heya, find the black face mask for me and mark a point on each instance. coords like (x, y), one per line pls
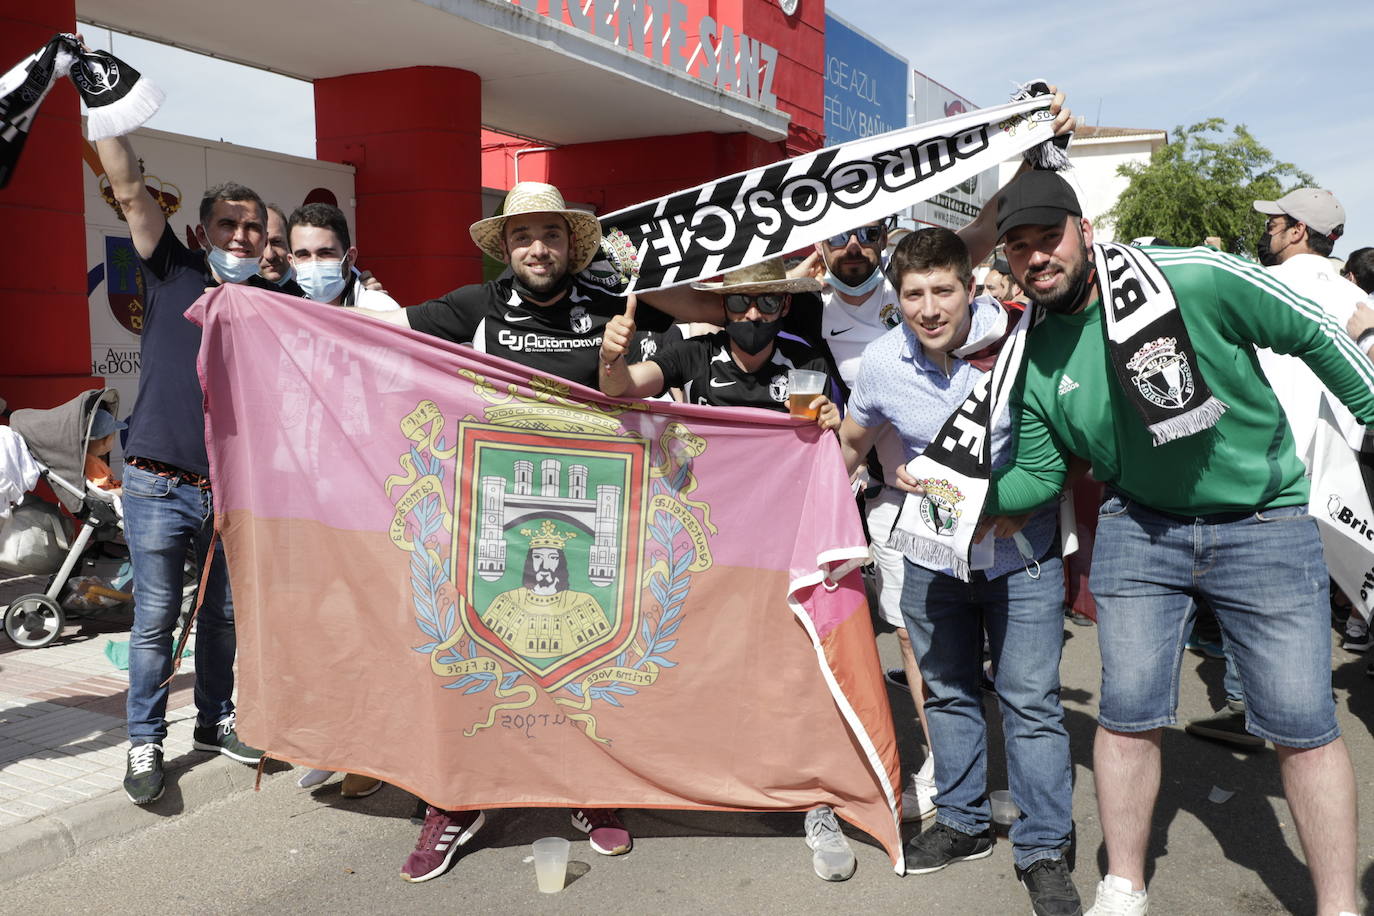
(1267, 258)
(753, 337)
(524, 292)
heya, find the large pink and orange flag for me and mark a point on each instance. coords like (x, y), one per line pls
(496, 589)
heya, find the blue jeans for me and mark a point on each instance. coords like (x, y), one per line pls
(1263, 574)
(164, 520)
(1024, 619)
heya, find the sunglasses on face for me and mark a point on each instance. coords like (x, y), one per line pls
(867, 235)
(767, 304)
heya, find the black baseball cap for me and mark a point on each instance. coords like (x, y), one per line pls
(1037, 198)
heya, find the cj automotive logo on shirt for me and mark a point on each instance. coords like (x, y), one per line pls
(531, 342)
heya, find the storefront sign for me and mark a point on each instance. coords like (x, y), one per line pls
(663, 30)
(865, 85)
(961, 203)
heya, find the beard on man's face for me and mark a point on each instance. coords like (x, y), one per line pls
(1066, 292)
(540, 283)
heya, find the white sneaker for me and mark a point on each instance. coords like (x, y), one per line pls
(918, 799)
(831, 857)
(1115, 898)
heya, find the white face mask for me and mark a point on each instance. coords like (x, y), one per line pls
(231, 268)
(322, 281)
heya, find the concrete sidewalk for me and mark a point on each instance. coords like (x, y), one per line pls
(62, 758)
(63, 742)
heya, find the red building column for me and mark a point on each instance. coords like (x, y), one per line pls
(414, 136)
(43, 310)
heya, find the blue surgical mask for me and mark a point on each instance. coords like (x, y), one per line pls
(874, 280)
(322, 281)
(231, 268)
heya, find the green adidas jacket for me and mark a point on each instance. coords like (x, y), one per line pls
(1069, 401)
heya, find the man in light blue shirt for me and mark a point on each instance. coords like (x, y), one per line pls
(914, 377)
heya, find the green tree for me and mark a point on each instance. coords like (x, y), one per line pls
(1202, 184)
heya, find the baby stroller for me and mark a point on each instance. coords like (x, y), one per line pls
(34, 540)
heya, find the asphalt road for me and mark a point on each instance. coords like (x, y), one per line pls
(287, 850)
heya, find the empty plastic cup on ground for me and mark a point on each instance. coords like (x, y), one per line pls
(1004, 810)
(802, 387)
(550, 863)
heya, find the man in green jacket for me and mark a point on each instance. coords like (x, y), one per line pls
(1216, 509)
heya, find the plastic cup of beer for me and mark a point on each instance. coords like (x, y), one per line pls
(803, 386)
(550, 863)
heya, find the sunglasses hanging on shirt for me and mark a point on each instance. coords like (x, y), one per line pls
(768, 303)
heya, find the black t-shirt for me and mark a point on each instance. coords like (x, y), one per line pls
(703, 368)
(168, 422)
(562, 339)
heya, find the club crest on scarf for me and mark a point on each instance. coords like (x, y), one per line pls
(940, 506)
(564, 565)
(1162, 374)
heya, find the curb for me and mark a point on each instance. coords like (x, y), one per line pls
(193, 780)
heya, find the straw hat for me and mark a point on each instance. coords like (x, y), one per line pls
(537, 197)
(767, 277)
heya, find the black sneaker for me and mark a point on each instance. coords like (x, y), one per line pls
(143, 777)
(224, 739)
(1228, 728)
(942, 845)
(1051, 889)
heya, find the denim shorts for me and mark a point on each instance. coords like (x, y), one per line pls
(1262, 572)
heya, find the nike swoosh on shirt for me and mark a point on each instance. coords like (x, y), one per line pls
(840, 331)
(716, 383)
(510, 317)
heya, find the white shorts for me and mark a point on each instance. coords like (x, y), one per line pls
(881, 512)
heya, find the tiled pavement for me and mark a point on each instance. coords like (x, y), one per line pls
(63, 741)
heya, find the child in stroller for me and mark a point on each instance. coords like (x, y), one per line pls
(62, 443)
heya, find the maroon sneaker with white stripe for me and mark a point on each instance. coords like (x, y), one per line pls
(604, 829)
(443, 833)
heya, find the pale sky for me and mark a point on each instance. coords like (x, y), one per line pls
(1297, 75)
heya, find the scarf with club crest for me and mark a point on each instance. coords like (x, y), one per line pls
(118, 99)
(1157, 368)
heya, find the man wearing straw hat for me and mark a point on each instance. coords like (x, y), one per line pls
(744, 365)
(539, 314)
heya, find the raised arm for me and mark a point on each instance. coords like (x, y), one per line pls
(687, 304)
(980, 236)
(145, 217)
(616, 377)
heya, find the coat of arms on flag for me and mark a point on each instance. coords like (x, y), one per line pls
(540, 585)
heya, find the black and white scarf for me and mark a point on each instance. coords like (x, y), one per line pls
(936, 530)
(1149, 346)
(1154, 361)
(117, 98)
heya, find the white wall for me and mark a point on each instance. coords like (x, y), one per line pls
(1094, 176)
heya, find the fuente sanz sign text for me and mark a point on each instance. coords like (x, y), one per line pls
(660, 30)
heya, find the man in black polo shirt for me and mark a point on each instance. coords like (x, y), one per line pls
(168, 510)
(541, 313)
(743, 365)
